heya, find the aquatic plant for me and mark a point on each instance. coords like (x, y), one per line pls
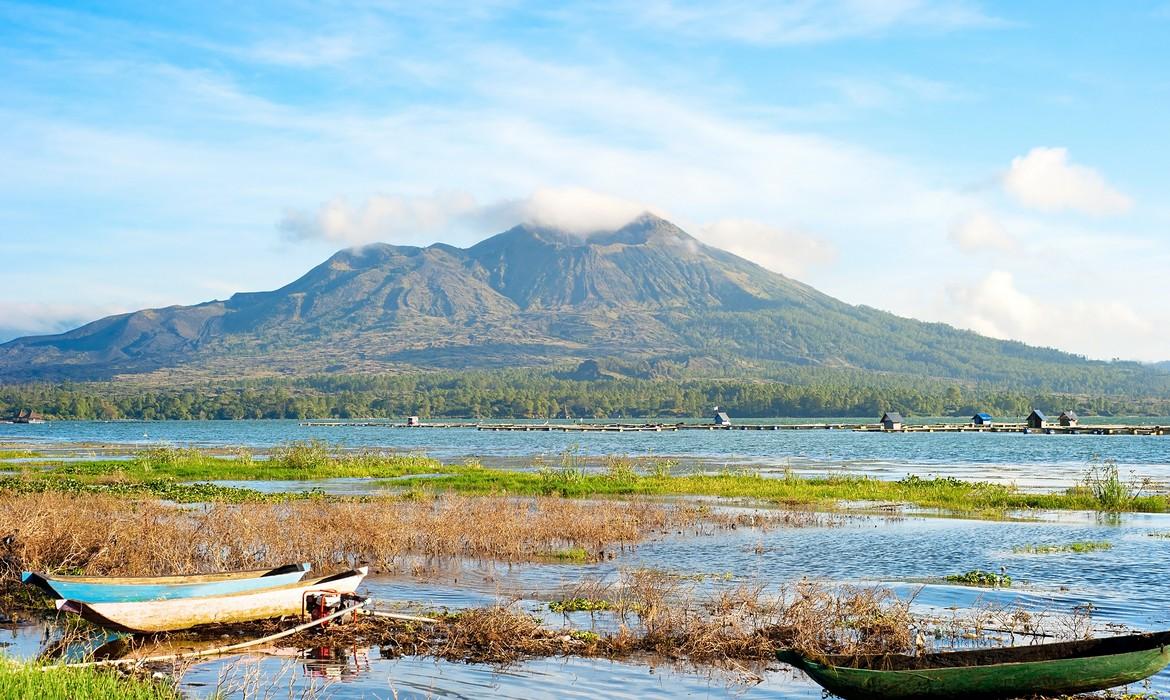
(1073, 547)
(577, 554)
(1110, 493)
(978, 577)
(569, 605)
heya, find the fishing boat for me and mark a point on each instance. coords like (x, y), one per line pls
(1065, 668)
(184, 613)
(105, 589)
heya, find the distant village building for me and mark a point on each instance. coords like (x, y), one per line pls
(26, 415)
(1037, 419)
(1068, 419)
(981, 419)
(891, 420)
(412, 421)
(721, 417)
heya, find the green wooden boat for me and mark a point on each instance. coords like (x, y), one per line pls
(1066, 668)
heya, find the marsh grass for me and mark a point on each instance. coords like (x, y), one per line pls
(1102, 489)
(165, 489)
(659, 616)
(61, 683)
(295, 461)
(619, 479)
(104, 535)
(1071, 547)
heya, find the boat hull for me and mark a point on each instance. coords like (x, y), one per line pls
(184, 613)
(95, 589)
(1069, 675)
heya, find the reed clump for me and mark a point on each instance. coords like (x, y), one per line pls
(104, 535)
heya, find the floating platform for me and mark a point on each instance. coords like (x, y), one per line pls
(676, 427)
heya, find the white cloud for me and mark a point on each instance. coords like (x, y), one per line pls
(788, 252)
(995, 306)
(577, 210)
(982, 232)
(1045, 179)
(390, 218)
(418, 219)
(20, 318)
(808, 21)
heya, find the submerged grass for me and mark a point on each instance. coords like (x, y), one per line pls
(1071, 547)
(20, 681)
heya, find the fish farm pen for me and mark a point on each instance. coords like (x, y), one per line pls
(676, 427)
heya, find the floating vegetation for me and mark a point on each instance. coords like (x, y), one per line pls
(978, 577)
(576, 554)
(1159, 535)
(1071, 547)
(158, 488)
(570, 605)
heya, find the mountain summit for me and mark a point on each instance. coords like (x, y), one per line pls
(529, 296)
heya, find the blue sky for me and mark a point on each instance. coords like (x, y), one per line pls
(997, 166)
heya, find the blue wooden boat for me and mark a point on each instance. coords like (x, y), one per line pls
(105, 589)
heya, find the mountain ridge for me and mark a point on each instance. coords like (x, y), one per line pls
(534, 296)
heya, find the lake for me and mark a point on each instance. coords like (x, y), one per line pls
(1124, 586)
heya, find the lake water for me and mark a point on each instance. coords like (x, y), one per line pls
(1125, 585)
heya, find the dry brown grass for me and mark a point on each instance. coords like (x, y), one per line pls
(115, 536)
(738, 626)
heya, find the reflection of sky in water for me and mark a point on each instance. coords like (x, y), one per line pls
(1032, 461)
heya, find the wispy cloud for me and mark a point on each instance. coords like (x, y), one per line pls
(806, 22)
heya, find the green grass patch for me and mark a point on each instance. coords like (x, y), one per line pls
(1071, 547)
(18, 454)
(60, 683)
(571, 605)
(419, 477)
(298, 461)
(156, 488)
(945, 493)
(574, 554)
(978, 577)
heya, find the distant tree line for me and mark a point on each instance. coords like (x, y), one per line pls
(547, 394)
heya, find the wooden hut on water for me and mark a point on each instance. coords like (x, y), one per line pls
(981, 419)
(891, 420)
(27, 415)
(1037, 420)
(1069, 419)
(721, 417)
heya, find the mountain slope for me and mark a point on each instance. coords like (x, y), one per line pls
(535, 296)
